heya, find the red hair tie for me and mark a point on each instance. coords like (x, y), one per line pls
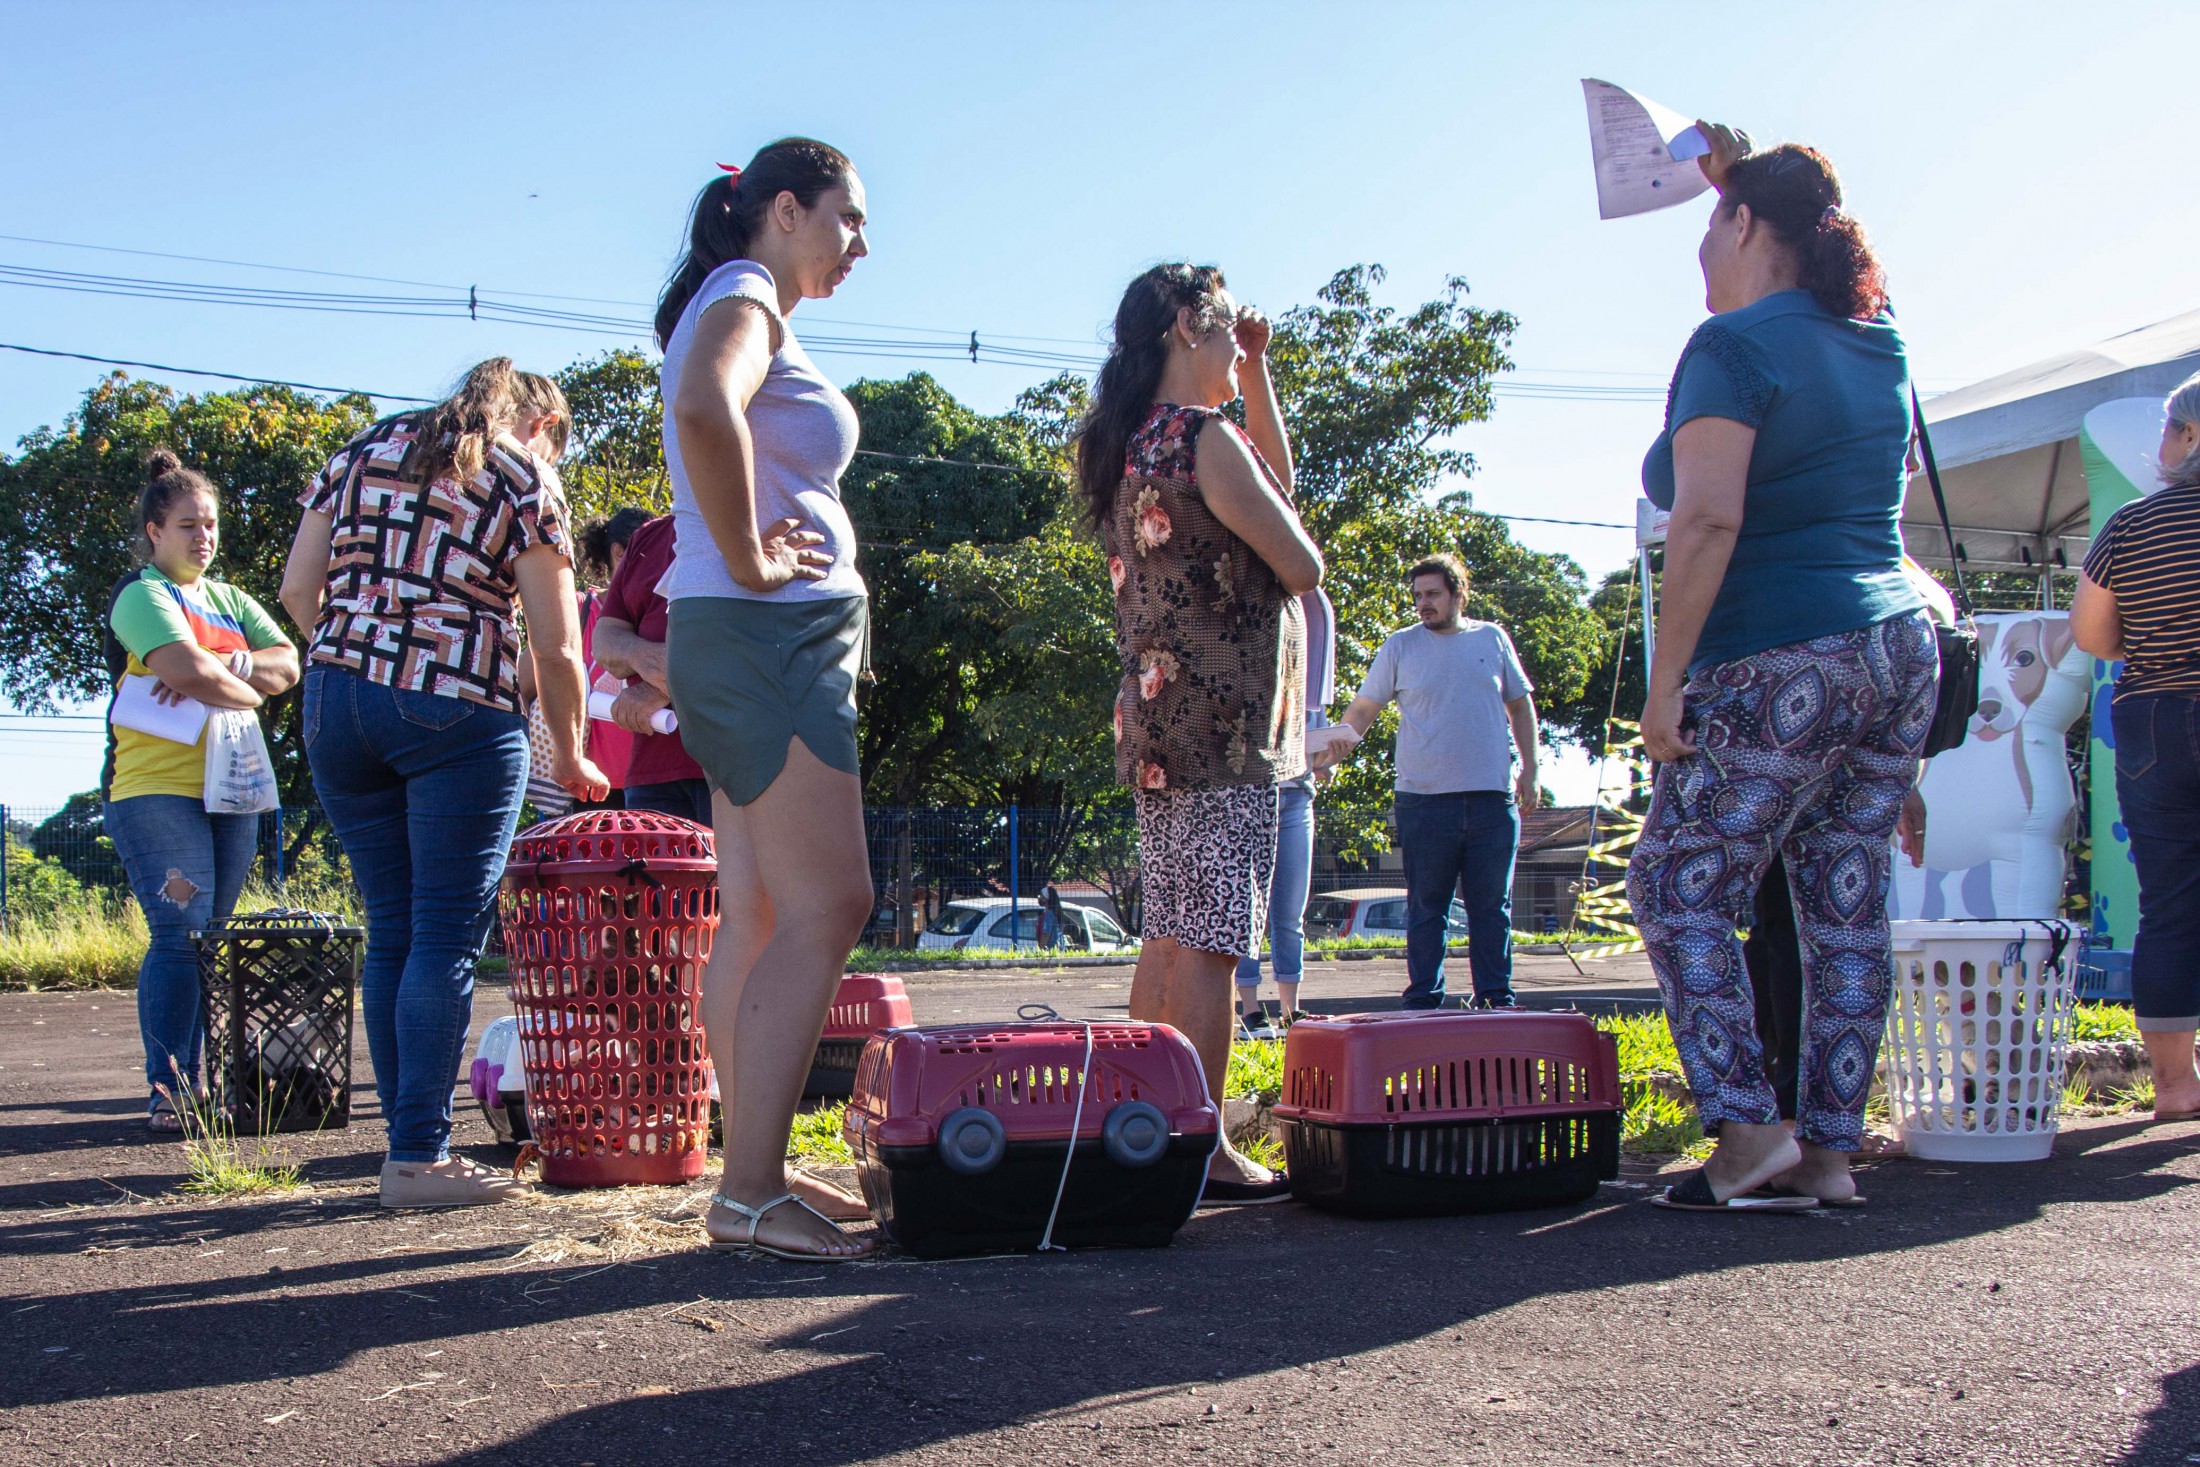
(729, 168)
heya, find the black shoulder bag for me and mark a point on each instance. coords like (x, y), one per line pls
(1959, 643)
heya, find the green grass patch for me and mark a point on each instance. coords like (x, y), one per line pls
(1256, 1071)
(95, 939)
(2097, 1022)
(92, 940)
(816, 1137)
(870, 959)
(218, 1164)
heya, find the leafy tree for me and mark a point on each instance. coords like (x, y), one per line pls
(1375, 398)
(617, 453)
(68, 497)
(937, 650)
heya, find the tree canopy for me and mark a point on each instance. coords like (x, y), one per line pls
(992, 623)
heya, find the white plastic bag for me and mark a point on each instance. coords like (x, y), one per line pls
(240, 776)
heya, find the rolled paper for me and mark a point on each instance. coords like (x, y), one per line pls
(663, 720)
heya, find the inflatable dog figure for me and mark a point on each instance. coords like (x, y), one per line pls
(2000, 806)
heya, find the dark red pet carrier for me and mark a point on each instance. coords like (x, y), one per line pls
(960, 1133)
(1417, 1115)
(865, 1004)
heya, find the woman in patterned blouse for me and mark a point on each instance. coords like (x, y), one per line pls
(416, 540)
(1208, 560)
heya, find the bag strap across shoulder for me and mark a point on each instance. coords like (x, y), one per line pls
(1940, 502)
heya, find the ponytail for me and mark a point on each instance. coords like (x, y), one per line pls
(166, 481)
(1797, 194)
(730, 208)
(1123, 393)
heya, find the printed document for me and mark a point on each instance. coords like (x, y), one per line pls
(1645, 154)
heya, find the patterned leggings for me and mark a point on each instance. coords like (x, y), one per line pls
(1807, 750)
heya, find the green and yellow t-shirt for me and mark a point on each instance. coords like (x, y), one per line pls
(150, 613)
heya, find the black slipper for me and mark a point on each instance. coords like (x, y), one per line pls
(1693, 1194)
(1246, 1194)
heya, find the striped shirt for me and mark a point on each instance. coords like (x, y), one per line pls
(2148, 555)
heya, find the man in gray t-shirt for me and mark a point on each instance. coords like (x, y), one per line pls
(1466, 768)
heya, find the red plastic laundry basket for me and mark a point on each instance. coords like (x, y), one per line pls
(959, 1135)
(1404, 1115)
(865, 1004)
(608, 919)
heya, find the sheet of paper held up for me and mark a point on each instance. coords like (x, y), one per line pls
(136, 708)
(1645, 154)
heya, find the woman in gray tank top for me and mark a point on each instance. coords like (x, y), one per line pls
(764, 641)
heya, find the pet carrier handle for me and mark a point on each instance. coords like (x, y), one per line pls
(1940, 502)
(1084, 1073)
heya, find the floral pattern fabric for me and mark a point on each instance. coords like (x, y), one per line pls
(420, 583)
(1212, 648)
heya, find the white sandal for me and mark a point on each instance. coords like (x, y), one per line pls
(755, 1218)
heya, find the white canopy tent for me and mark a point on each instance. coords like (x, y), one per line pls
(2008, 449)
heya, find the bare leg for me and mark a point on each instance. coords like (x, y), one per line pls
(1287, 994)
(2176, 1083)
(795, 892)
(1190, 990)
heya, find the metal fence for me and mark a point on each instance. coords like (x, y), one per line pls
(49, 851)
(922, 860)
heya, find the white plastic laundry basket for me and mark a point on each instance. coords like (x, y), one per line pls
(1977, 1031)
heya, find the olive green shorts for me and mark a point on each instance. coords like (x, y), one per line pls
(747, 676)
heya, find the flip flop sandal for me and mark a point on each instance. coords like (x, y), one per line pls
(2177, 1115)
(162, 1119)
(1693, 1194)
(1769, 1190)
(862, 1212)
(755, 1218)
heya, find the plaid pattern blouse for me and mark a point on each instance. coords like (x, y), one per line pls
(420, 585)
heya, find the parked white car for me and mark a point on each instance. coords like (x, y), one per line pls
(988, 922)
(1371, 911)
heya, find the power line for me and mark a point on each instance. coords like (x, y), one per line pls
(40, 351)
(953, 463)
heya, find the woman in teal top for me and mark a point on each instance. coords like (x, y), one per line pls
(1794, 675)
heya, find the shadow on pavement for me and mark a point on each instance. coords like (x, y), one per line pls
(2172, 1430)
(924, 1353)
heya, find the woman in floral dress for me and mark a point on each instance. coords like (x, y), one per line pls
(1208, 560)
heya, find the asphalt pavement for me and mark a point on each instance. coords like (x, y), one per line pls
(2036, 1313)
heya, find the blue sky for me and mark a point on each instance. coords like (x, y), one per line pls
(2020, 166)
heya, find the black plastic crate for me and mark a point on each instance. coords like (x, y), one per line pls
(276, 993)
(1442, 1168)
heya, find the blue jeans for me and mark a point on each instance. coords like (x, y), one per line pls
(186, 868)
(2158, 788)
(424, 792)
(1287, 890)
(1462, 842)
(689, 799)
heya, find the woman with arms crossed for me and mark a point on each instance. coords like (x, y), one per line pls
(204, 639)
(764, 641)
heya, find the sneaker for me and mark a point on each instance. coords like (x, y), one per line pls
(1260, 1028)
(1493, 1001)
(465, 1184)
(1285, 1021)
